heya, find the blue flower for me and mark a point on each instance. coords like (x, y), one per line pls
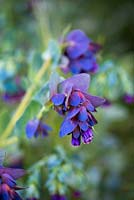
(36, 127)
(77, 106)
(8, 186)
(79, 53)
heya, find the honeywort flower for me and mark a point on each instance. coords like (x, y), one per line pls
(73, 102)
(8, 186)
(58, 197)
(36, 127)
(79, 53)
(14, 91)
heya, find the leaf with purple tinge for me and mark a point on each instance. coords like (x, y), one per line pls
(58, 99)
(67, 127)
(31, 127)
(74, 99)
(72, 113)
(83, 116)
(79, 43)
(95, 100)
(79, 82)
(15, 173)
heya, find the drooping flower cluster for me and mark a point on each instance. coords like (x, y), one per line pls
(36, 127)
(73, 101)
(14, 91)
(79, 54)
(8, 186)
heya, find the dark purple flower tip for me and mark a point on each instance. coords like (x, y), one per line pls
(83, 116)
(76, 141)
(129, 98)
(31, 127)
(67, 127)
(58, 99)
(87, 136)
(78, 82)
(58, 197)
(32, 198)
(78, 43)
(95, 100)
(14, 173)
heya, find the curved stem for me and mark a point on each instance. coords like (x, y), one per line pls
(26, 100)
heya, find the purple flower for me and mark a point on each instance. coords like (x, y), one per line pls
(8, 186)
(58, 197)
(77, 106)
(76, 194)
(129, 98)
(14, 91)
(36, 127)
(79, 54)
(32, 198)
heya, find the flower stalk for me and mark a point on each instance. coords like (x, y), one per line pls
(26, 100)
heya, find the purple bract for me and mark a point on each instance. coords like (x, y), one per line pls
(77, 106)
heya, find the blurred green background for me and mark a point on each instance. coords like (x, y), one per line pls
(25, 28)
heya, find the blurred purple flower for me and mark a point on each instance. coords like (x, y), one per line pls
(8, 186)
(32, 198)
(76, 194)
(15, 91)
(77, 105)
(80, 53)
(58, 197)
(129, 98)
(36, 127)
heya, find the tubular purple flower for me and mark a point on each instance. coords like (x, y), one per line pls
(77, 107)
(36, 127)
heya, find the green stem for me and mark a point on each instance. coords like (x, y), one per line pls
(26, 100)
(9, 141)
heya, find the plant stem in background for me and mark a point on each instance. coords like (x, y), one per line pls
(23, 105)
